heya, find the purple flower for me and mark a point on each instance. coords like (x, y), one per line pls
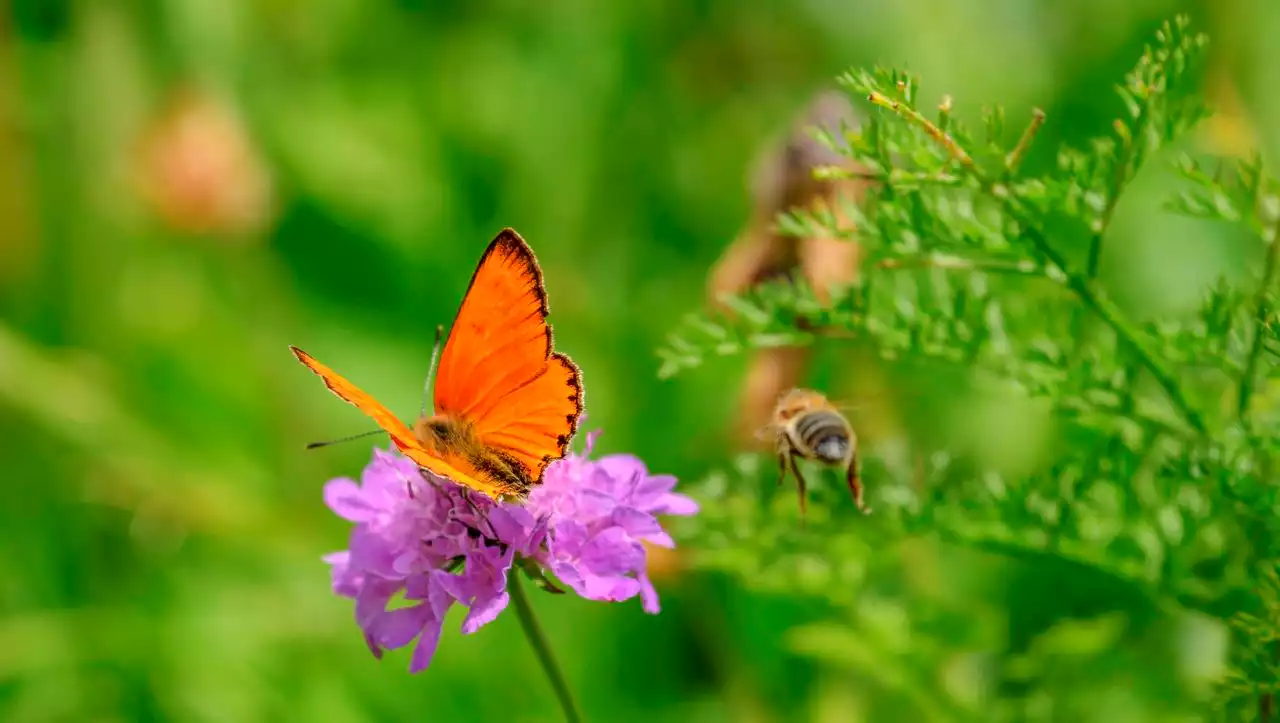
(421, 544)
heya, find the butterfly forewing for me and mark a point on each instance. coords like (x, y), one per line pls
(497, 371)
(399, 432)
(500, 339)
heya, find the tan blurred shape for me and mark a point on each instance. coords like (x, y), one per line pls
(783, 179)
(665, 563)
(199, 172)
(1229, 130)
(1232, 128)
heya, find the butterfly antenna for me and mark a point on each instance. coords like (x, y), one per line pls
(431, 372)
(370, 433)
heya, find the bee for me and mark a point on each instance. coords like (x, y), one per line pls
(806, 424)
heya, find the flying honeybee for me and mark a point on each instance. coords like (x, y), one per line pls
(806, 424)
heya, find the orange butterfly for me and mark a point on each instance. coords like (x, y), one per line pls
(506, 405)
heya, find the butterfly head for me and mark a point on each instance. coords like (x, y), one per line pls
(439, 432)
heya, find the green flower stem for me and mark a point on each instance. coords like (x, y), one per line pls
(541, 647)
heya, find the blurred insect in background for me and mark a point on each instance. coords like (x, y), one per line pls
(782, 179)
(806, 424)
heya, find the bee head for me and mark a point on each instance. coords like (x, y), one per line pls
(796, 401)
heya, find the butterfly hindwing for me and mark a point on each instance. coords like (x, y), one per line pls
(536, 422)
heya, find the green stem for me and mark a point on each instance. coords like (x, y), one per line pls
(1084, 288)
(942, 137)
(1263, 310)
(541, 647)
(896, 177)
(1128, 157)
(1014, 159)
(933, 260)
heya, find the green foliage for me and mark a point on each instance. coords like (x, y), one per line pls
(163, 523)
(1148, 494)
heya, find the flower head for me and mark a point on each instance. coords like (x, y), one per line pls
(433, 543)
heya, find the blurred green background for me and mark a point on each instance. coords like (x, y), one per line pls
(188, 186)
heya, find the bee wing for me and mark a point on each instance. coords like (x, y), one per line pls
(848, 407)
(768, 432)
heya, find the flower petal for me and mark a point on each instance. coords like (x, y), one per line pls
(594, 504)
(622, 466)
(484, 611)
(612, 589)
(371, 551)
(654, 486)
(397, 628)
(637, 524)
(371, 601)
(648, 595)
(511, 524)
(342, 578)
(612, 551)
(674, 503)
(660, 538)
(567, 539)
(425, 650)
(347, 500)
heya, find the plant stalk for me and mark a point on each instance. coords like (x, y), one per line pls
(1128, 157)
(541, 648)
(1263, 310)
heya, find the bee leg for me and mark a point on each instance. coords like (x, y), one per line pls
(855, 486)
(800, 488)
(782, 467)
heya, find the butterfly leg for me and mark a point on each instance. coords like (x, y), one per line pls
(466, 496)
(472, 530)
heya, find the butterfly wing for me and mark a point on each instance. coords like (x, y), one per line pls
(535, 423)
(497, 370)
(400, 433)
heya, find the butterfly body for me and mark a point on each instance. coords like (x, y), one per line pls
(456, 439)
(505, 404)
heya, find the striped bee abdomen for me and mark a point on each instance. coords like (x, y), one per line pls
(823, 435)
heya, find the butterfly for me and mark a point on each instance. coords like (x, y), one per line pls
(505, 404)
